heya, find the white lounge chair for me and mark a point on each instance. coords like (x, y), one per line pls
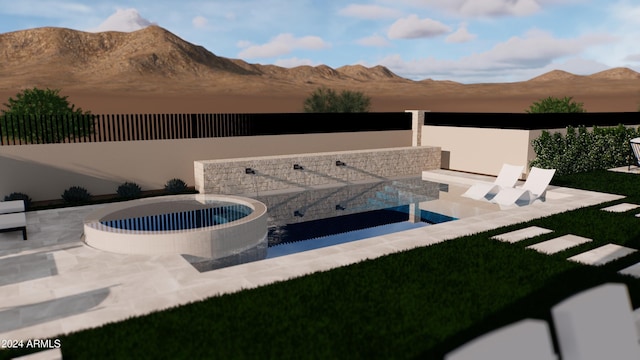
(597, 324)
(14, 222)
(535, 187)
(12, 206)
(635, 147)
(527, 339)
(12, 217)
(507, 178)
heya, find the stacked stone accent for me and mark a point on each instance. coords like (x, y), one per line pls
(229, 176)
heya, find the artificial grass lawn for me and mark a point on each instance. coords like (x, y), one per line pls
(420, 303)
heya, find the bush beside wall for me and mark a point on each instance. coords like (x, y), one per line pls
(581, 150)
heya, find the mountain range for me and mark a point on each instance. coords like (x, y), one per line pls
(70, 58)
(154, 60)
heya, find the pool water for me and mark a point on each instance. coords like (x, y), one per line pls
(347, 223)
(309, 219)
(181, 220)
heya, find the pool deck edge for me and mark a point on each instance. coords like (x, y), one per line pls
(54, 284)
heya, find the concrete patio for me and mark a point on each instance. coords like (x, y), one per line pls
(54, 284)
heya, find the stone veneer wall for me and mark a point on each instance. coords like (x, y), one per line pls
(228, 176)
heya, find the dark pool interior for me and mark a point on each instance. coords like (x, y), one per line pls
(347, 223)
(182, 220)
(353, 211)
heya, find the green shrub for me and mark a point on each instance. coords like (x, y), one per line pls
(19, 196)
(175, 186)
(556, 105)
(76, 195)
(324, 100)
(580, 150)
(129, 190)
(44, 116)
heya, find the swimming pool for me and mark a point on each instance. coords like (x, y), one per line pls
(216, 231)
(312, 218)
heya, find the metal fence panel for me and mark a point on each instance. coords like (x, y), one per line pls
(16, 130)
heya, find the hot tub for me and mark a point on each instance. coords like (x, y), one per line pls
(202, 228)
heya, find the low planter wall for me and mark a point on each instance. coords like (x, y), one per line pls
(482, 142)
(481, 150)
(484, 150)
(270, 173)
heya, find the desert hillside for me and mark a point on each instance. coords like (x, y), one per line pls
(153, 70)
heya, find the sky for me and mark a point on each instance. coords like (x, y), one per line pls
(469, 41)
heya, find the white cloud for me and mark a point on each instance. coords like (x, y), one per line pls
(633, 57)
(374, 41)
(625, 11)
(293, 62)
(535, 51)
(125, 20)
(486, 8)
(200, 22)
(412, 27)
(281, 45)
(498, 7)
(369, 12)
(537, 48)
(621, 20)
(461, 35)
(244, 43)
(456, 71)
(57, 9)
(577, 65)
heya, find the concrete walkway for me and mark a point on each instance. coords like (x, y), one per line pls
(53, 284)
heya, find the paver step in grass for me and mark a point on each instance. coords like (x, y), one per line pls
(633, 270)
(519, 235)
(602, 255)
(558, 244)
(621, 207)
(636, 317)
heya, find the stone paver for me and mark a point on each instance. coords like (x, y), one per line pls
(633, 169)
(559, 244)
(53, 283)
(51, 354)
(602, 255)
(633, 270)
(621, 207)
(519, 235)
